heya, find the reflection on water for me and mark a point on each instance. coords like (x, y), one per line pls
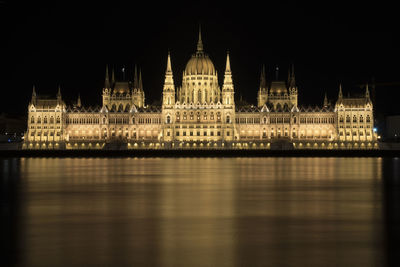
(198, 211)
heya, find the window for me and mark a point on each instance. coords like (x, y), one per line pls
(228, 119)
(177, 133)
(228, 133)
(39, 120)
(354, 118)
(348, 118)
(341, 119)
(168, 119)
(361, 119)
(51, 120)
(32, 119)
(368, 118)
(45, 120)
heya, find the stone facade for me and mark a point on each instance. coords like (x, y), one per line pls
(200, 114)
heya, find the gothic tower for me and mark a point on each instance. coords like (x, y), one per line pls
(263, 90)
(292, 87)
(228, 102)
(106, 89)
(227, 88)
(168, 102)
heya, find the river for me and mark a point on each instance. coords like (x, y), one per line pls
(200, 211)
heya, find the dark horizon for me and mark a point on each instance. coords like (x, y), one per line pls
(70, 45)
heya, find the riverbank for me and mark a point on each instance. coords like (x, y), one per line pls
(200, 153)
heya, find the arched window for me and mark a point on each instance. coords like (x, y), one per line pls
(32, 119)
(368, 118)
(285, 107)
(354, 118)
(51, 120)
(45, 120)
(114, 108)
(361, 119)
(133, 120)
(120, 107)
(341, 119)
(168, 119)
(295, 120)
(347, 118)
(228, 119)
(265, 120)
(58, 120)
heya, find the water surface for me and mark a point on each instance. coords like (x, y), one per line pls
(199, 211)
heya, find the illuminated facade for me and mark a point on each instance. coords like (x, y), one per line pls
(200, 114)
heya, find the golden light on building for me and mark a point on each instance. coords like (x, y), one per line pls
(200, 114)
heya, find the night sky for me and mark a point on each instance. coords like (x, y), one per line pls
(69, 44)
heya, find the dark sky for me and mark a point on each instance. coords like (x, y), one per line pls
(69, 43)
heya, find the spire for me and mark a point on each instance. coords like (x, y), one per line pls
(169, 79)
(228, 63)
(169, 68)
(33, 100)
(340, 91)
(263, 81)
(292, 79)
(79, 103)
(59, 92)
(200, 43)
(228, 84)
(113, 77)
(107, 79)
(140, 80)
(33, 91)
(326, 100)
(366, 91)
(135, 79)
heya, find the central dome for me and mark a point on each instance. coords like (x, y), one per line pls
(200, 63)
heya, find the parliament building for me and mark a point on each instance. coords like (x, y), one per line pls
(200, 114)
